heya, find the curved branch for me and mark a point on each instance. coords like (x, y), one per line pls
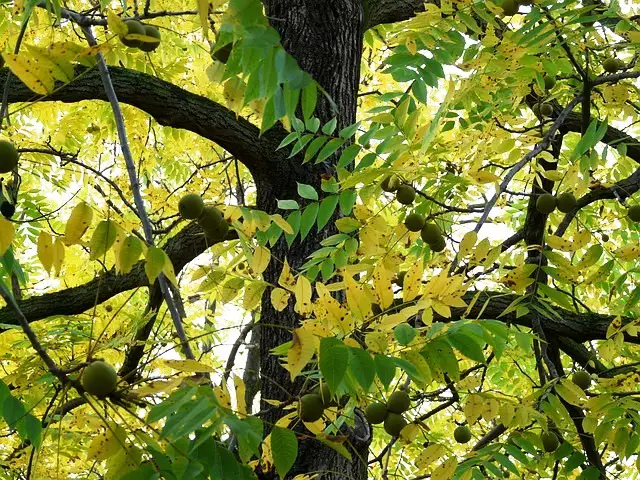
(170, 106)
(181, 249)
(378, 12)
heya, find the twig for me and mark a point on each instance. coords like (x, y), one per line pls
(135, 187)
(236, 346)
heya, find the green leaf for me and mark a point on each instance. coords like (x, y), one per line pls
(33, 428)
(469, 345)
(190, 417)
(329, 149)
(249, 432)
(288, 139)
(409, 368)
(313, 148)
(327, 207)
(308, 219)
(103, 238)
(129, 253)
(349, 131)
(330, 185)
(347, 224)
(404, 333)
(171, 404)
(14, 414)
(294, 220)
(441, 358)
(307, 191)
(385, 369)
(574, 461)
(591, 257)
(334, 361)
(362, 367)
(591, 137)
(288, 205)
(284, 448)
(224, 465)
(313, 124)
(347, 201)
(348, 155)
(154, 263)
(330, 127)
(300, 144)
(309, 99)
(144, 472)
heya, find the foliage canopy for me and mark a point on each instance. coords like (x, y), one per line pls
(440, 231)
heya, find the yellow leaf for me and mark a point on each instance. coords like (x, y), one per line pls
(302, 292)
(446, 470)
(467, 243)
(203, 13)
(252, 294)
(441, 309)
(103, 238)
(30, 72)
(473, 408)
(357, 301)
(240, 391)
(78, 223)
(570, 392)
(382, 285)
(411, 46)
(482, 176)
(491, 409)
(129, 254)
(301, 352)
(260, 260)
(158, 386)
(107, 444)
(409, 433)
(429, 455)
(630, 252)
(614, 326)
(279, 298)
(412, 283)
(222, 395)
(154, 263)
(507, 411)
(116, 24)
(58, 254)
(45, 250)
(168, 270)
(282, 223)
(286, 279)
(6, 234)
(191, 366)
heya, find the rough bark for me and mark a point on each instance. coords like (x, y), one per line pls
(325, 38)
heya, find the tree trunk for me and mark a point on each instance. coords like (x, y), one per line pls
(326, 40)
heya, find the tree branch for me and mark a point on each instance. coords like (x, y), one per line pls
(378, 12)
(181, 249)
(171, 106)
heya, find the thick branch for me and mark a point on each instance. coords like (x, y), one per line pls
(378, 12)
(580, 327)
(171, 106)
(181, 249)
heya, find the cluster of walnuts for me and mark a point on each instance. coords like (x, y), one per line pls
(406, 194)
(135, 27)
(192, 207)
